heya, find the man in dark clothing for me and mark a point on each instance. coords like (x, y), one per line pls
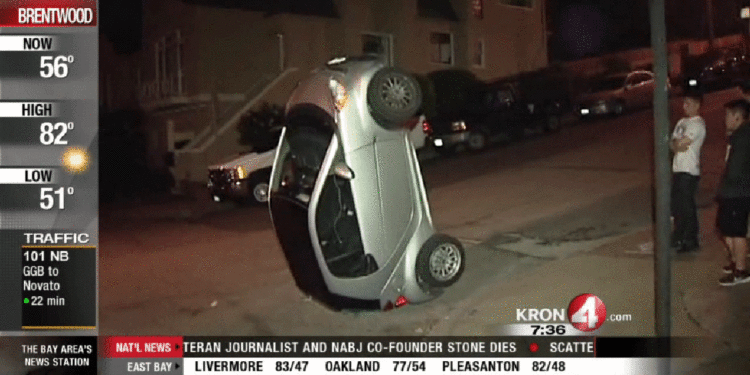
(734, 192)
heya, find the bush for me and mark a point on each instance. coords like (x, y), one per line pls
(260, 129)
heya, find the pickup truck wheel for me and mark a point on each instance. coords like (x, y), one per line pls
(393, 96)
(259, 188)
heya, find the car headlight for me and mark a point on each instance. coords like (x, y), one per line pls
(693, 82)
(338, 93)
(241, 173)
(458, 126)
(585, 111)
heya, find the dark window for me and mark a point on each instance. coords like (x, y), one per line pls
(519, 3)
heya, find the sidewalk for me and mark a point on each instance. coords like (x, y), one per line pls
(621, 274)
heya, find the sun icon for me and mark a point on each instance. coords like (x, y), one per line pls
(75, 160)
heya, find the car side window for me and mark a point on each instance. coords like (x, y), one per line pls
(630, 80)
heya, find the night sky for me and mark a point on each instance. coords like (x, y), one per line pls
(121, 24)
(580, 28)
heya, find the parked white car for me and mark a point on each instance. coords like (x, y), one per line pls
(243, 178)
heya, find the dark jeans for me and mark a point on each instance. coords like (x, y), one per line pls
(684, 210)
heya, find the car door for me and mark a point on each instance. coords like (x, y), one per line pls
(646, 88)
(637, 89)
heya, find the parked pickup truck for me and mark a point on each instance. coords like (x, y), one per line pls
(242, 179)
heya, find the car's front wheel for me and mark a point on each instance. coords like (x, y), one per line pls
(440, 261)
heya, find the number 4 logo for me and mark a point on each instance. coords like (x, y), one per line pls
(587, 312)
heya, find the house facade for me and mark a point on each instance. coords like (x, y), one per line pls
(204, 65)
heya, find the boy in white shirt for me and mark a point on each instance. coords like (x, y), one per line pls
(687, 140)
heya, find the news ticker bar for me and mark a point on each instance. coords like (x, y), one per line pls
(412, 347)
(84, 355)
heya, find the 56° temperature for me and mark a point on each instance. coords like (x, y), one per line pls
(55, 66)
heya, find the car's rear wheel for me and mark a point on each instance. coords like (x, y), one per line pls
(476, 141)
(618, 108)
(394, 97)
(440, 261)
(553, 123)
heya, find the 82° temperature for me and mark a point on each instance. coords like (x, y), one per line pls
(54, 134)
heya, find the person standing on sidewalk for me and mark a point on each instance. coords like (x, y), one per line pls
(687, 140)
(734, 192)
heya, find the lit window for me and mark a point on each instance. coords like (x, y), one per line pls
(442, 48)
(479, 53)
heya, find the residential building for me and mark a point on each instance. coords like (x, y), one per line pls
(205, 63)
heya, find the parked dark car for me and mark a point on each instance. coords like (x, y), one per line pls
(716, 70)
(497, 111)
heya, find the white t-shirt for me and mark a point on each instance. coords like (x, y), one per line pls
(689, 160)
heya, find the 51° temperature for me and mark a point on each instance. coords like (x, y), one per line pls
(51, 197)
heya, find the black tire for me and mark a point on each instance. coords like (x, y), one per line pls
(393, 97)
(259, 187)
(477, 141)
(553, 124)
(619, 108)
(429, 270)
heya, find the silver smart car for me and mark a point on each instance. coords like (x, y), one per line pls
(347, 198)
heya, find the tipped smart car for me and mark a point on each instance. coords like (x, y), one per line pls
(347, 199)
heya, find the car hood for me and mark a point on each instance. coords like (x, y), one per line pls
(251, 162)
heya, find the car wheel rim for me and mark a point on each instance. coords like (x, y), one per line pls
(445, 262)
(395, 93)
(260, 192)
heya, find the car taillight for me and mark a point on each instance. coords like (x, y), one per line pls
(426, 127)
(401, 301)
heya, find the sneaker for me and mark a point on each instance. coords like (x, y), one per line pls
(738, 277)
(729, 268)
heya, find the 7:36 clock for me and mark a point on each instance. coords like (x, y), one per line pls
(548, 329)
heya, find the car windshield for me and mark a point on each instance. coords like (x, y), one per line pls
(607, 84)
